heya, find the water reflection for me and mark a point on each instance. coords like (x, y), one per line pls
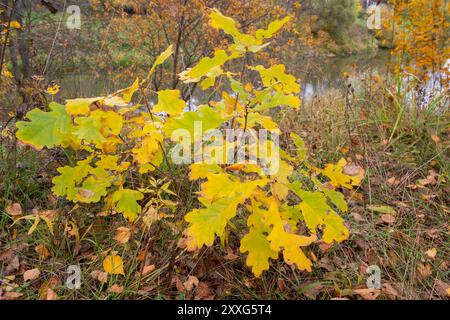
(317, 74)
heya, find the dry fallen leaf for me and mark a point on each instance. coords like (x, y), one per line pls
(11, 296)
(230, 255)
(435, 138)
(202, 291)
(122, 235)
(357, 217)
(424, 270)
(178, 284)
(14, 209)
(431, 253)
(190, 283)
(115, 289)
(13, 264)
(367, 294)
(150, 216)
(148, 269)
(388, 218)
(99, 275)
(43, 252)
(51, 283)
(442, 288)
(6, 255)
(31, 274)
(391, 181)
(389, 290)
(51, 295)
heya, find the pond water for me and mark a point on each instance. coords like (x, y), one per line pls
(317, 75)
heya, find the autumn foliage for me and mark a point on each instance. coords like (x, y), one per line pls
(420, 30)
(120, 136)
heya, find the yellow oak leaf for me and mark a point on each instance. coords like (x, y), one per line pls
(257, 245)
(77, 107)
(276, 77)
(338, 177)
(169, 101)
(126, 201)
(317, 213)
(289, 242)
(113, 264)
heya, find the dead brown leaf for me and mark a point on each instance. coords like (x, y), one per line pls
(367, 294)
(99, 275)
(51, 295)
(115, 289)
(31, 274)
(424, 270)
(392, 181)
(42, 251)
(203, 291)
(179, 285)
(388, 218)
(389, 290)
(431, 253)
(231, 256)
(148, 269)
(11, 296)
(190, 283)
(14, 209)
(442, 288)
(123, 235)
(6, 255)
(435, 138)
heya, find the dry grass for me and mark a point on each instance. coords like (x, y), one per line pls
(333, 127)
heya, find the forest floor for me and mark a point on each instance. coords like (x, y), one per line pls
(398, 221)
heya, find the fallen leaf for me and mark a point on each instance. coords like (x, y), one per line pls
(113, 264)
(51, 295)
(435, 138)
(43, 252)
(190, 283)
(367, 294)
(231, 256)
(179, 285)
(424, 270)
(148, 269)
(391, 181)
(430, 179)
(389, 290)
(354, 171)
(431, 253)
(11, 296)
(13, 264)
(442, 288)
(122, 235)
(99, 275)
(48, 284)
(150, 216)
(324, 247)
(202, 291)
(6, 255)
(14, 209)
(357, 217)
(115, 289)
(281, 284)
(388, 218)
(31, 274)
